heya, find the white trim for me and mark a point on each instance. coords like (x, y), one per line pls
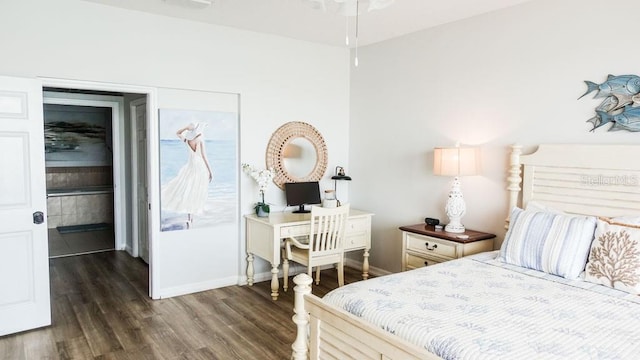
(197, 287)
(135, 211)
(296, 269)
(134, 186)
(375, 271)
(153, 189)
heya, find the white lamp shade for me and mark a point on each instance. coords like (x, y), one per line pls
(456, 161)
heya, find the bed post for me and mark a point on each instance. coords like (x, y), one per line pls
(514, 179)
(301, 316)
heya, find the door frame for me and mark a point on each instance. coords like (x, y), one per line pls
(136, 211)
(153, 183)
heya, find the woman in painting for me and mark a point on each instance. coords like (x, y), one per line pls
(188, 191)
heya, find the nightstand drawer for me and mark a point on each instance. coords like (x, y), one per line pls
(414, 262)
(429, 245)
(422, 243)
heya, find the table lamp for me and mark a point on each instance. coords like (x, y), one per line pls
(456, 161)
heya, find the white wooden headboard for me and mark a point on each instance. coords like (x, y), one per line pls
(602, 180)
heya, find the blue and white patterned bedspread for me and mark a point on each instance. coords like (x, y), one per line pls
(480, 308)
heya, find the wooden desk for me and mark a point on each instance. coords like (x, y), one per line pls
(264, 238)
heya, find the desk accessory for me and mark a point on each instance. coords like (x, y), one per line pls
(340, 175)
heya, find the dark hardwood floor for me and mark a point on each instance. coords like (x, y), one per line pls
(101, 310)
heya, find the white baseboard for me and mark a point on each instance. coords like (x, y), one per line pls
(296, 269)
(196, 287)
(372, 269)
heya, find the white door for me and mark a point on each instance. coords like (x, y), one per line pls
(24, 263)
(141, 226)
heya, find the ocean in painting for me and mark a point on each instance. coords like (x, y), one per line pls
(221, 202)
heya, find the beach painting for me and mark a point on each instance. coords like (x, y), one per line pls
(198, 168)
(77, 135)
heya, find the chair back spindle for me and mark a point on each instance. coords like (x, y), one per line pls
(327, 230)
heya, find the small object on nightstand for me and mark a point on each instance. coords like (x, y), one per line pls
(431, 221)
(438, 228)
(462, 236)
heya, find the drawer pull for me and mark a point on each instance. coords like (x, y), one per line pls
(431, 248)
(426, 263)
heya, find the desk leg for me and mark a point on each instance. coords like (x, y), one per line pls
(250, 271)
(274, 281)
(365, 264)
(285, 271)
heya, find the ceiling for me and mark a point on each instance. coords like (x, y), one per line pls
(299, 20)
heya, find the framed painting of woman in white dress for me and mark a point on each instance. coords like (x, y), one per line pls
(197, 168)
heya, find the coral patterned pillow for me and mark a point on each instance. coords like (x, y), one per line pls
(614, 259)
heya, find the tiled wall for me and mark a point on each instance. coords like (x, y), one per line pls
(79, 209)
(75, 177)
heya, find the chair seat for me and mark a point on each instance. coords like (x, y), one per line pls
(301, 256)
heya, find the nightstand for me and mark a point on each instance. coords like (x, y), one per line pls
(422, 245)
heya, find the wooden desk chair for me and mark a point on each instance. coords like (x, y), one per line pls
(323, 246)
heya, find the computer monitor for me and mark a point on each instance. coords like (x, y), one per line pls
(301, 194)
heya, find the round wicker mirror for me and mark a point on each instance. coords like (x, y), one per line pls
(297, 152)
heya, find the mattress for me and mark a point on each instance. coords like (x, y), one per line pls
(481, 308)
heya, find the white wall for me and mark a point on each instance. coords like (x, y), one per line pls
(511, 76)
(278, 79)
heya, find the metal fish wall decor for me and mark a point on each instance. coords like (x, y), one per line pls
(621, 103)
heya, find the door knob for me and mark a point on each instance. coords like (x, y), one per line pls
(38, 217)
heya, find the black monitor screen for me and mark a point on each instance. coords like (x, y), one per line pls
(301, 194)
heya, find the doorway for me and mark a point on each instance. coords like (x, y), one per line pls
(26, 302)
(79, 172)
(94, 152)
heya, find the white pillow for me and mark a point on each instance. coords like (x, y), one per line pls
(614, 259)
(554, 243)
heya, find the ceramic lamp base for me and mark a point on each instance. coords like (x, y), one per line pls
(454, 228)
(455, 208)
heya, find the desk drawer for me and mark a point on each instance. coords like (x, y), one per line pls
(429, 245)
(357, 233)
(295, 230)
(355, 241)
(358, 226)
(414, 261)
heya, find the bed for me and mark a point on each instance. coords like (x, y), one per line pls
(550, 292)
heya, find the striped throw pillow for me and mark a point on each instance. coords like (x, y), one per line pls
(554, 243)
